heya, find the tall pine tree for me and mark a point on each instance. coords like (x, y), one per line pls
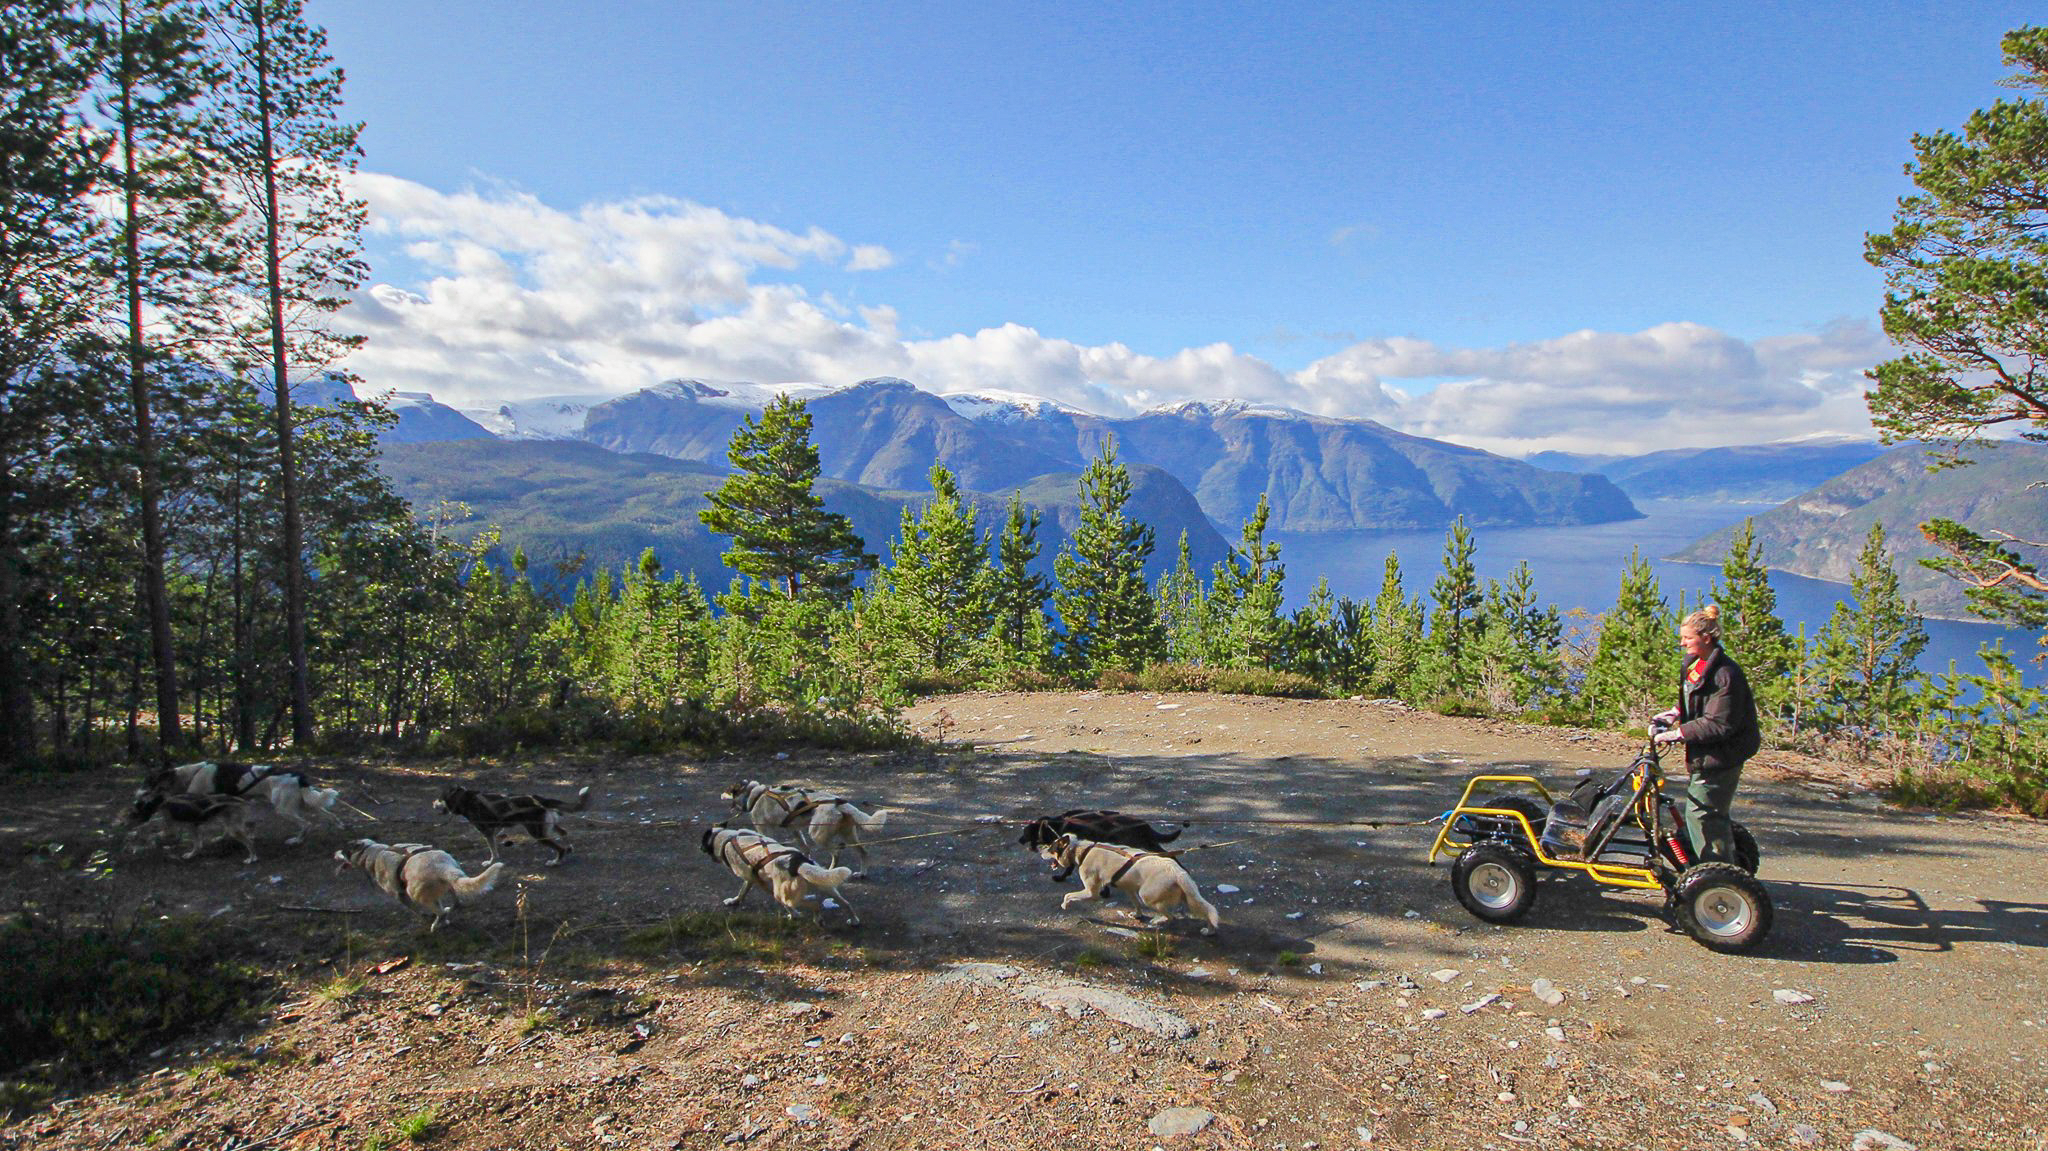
(285, 156)
(1107, 611)
(782, 536)
(1865, 655)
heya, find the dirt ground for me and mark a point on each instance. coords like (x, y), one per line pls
(1348, 1002)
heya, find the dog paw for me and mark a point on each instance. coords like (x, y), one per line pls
(729, 902)
(295, 840)
(1207, 931)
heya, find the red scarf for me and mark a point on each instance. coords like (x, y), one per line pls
(1698, 671)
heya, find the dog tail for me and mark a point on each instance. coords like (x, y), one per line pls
(1197, 904)
(864, 820)
(321, 797)
(582, 801)
(478, 886)
(1174, 836)
(830, 877)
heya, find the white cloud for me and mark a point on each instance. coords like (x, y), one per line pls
(517, 299)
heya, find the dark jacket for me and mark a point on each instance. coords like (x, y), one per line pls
(1717, 716)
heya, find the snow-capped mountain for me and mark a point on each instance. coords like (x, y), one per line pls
(996, 406)
(543, 418)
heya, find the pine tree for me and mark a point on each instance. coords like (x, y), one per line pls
(168, 256)
(1448, 664)
(1517, 645)
(50, 290)
(1017, 594)
(1184, 609)
(1245, 596)
(1396, 634)
(939, 569)
(782, 535)
(285, 156)
(1864, 657)
(1107, 611)
(1751, 631)
(1633, 672)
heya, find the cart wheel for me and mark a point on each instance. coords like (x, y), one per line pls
(1495, 882)
(1747, 857)
(1722, 906)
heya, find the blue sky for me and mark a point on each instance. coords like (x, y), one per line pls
(1518, 226)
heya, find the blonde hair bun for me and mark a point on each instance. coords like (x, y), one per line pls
(1706, 622)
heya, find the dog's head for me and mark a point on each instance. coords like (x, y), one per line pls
(1038, 833)
(710, 841)
(741, 793)
(449, 797)
(353, 854)
(147, 801)
(1063, 853)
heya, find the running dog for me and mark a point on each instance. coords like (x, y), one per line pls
(194, 812)
(1100, 826)
(493, 815)
(789, 876)
(824, 822)
(290, 794)
(1158, 882)
(423, 878)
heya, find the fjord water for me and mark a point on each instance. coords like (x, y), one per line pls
(1580, 567)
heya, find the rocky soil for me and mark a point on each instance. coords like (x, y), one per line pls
(1349, 1001)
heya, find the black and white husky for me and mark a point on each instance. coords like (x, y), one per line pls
(289, 793)
(823, 821)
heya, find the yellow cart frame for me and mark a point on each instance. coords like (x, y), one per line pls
(1617, 875)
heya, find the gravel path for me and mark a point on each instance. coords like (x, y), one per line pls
(1348, 1002)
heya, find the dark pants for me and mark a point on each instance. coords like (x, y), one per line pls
(1708, 797)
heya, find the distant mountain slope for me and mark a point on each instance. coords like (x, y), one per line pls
(1818, 533)
(1750, 473)
(1318, 474)
(421, 419)
(558, 499)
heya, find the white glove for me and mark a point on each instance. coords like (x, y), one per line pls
(1672, 735)
(1667, 716)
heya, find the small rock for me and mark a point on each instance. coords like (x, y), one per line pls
(1480, 1004)
(1791, 998)
(1370, 984)
(1198, 973)
(1411, 915)
(1039, 1029)
(1402, 1059)
(1506, 1097)
(1175, 1121)
(1434, 1013)
(1364, 1135)
(1637, 980)
(1556, 1034)
(1834, 1085)
(1762, 1102)
(1573, 1102)
(750, 1080)
(1296, 914)
(1805, 1135)
(1315, 969)
(1546, 992)
(1227, 889)
(1445, 974)
(801, 1112)
(1871, 1139)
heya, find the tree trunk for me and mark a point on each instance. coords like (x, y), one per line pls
(287, 467)
(17, 705)
(156, 603)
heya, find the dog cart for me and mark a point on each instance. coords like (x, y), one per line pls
(1623, 831)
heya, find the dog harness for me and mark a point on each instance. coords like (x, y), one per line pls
(791, 812)
(755, 867)
(1130, 861)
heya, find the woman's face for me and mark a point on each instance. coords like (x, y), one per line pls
(1696, 645)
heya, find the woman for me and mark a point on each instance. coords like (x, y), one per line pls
(1716, 720)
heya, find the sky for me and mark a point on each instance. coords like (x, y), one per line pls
(1582, 227)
